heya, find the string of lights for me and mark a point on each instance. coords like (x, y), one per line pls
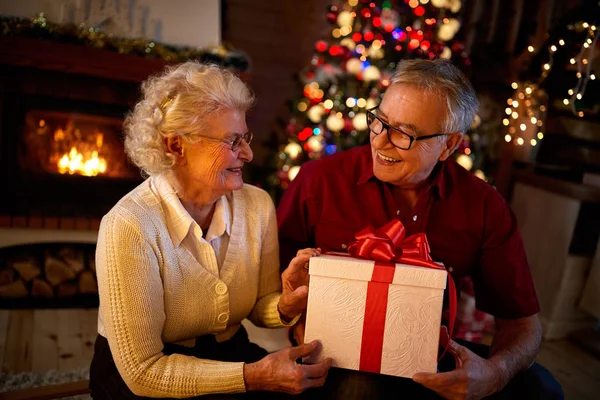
(527, 107)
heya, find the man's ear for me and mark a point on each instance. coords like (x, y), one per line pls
(453, 140)
(174, 145)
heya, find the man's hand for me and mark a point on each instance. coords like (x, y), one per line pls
(473, 378)
(294, 282)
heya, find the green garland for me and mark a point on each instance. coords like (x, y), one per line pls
(40, 28)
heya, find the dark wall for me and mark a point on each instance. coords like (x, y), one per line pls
(279, 37)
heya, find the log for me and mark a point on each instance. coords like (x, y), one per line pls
(66, 290)
(57, 271)
(92, 261)
(6, 276)
(27, 268)
(14, 290)
(41, 288)
(74, 258)
(87, 282)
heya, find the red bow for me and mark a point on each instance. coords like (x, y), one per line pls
(389, 244)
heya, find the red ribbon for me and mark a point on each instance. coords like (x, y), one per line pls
(387, 246)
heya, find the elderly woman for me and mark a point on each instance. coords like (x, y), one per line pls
(192, 251)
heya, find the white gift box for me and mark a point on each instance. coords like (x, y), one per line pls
(399, 338)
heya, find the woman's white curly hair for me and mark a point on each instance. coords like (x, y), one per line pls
(177, 102)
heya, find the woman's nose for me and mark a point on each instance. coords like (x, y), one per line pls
(246, 153)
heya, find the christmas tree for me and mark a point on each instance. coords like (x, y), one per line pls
(350, 71)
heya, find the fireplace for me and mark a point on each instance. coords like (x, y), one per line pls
(62, 163)
(61, 145)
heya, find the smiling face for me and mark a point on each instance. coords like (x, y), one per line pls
(407, 107)
(208, 169)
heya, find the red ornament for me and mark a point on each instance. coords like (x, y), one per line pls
(357, 37)
(376, 22)
(388, 27)
(425, 44)
(379, 37)
(305, 133)
(398, 48)
(310, 75)
(321, 46)
(336, 50)
(331, 17)
(419, 11)
(348, 126)
(368, 36)
(366, 13)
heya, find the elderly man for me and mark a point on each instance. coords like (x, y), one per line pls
(406, 172)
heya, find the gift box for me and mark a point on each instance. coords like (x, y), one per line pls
(375, 316)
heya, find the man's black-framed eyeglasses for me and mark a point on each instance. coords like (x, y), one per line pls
(235, 142)
(396, 136)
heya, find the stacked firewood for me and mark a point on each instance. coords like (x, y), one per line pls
(64, 272)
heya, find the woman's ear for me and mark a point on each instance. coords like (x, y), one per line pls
(453, 140)
(174, 145)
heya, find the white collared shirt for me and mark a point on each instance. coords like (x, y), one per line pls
(210, 250)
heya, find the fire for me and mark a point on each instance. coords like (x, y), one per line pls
(75, 163)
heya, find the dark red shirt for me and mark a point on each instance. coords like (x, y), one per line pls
(469, 226)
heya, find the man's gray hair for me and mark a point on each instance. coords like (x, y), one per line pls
(442, 78)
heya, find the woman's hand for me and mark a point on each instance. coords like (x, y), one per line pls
(279, 372)
(294, 282)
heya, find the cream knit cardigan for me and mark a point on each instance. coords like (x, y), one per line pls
(152, 292)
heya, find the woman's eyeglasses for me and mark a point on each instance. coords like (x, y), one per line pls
(235, 142)
(396, 137)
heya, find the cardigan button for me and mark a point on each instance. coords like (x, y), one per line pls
(221, 288)
(223, 317)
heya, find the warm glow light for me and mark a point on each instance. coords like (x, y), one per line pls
(566, 102)
(520, 141)
(328, 104)
(515, 115)
(528, 90)
(507, 138)
(533, 142)
(505, 122)
(533, 120)
(553, 48)
(579, 96)
(540, 135)
(561, 42)
(361, 103)
(514, 85)
(546, 67)
(570, 92)
(73, 162)
(592, 77)
(523, 127)
(580, 113)
(531, 49)
(508, 110)
(572, 61)
(515, 104)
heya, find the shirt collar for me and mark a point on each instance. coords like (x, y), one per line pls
(180, 222)
(440, 181)
(221, 220)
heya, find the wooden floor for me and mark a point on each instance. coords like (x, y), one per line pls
(41, 340)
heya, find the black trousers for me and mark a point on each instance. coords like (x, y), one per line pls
(106, 383)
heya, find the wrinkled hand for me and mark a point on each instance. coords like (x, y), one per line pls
(473, 378)
(294, 282)
(279, 372)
